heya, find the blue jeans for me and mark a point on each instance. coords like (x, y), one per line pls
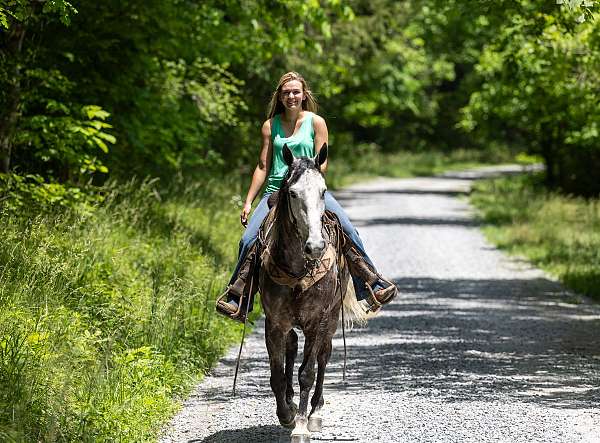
(331, 204)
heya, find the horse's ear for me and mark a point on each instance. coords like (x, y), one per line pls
(321, 156)
(287, 155)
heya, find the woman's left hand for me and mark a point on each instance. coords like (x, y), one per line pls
(245, 213)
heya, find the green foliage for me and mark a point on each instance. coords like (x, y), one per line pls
(560, 234)
(28, 11)
(539, 78)
(33, 193)
(186, 85)
(376, 74)
(65, 142)
(106, 316)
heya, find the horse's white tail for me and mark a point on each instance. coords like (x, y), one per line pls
(354, 313)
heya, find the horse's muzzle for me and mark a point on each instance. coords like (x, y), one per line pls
(314, 249)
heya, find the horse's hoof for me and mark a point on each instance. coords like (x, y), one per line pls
(289, 425)
(300, 438)
(315, 424)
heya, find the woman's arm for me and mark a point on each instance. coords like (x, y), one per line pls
(260, 172)
(321, 136)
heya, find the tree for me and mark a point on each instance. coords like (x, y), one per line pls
(539, 88)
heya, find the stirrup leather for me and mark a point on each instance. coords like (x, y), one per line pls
(359, 266)
(245, 285)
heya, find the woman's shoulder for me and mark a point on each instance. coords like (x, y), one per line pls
(266, 126)
(318, 120)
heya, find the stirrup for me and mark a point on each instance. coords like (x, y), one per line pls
(224, 308)
(376, 299)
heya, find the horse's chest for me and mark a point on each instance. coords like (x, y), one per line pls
(299, 308)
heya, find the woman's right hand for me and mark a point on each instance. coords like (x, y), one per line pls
(245, 213)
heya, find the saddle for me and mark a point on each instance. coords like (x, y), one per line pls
(314, 270)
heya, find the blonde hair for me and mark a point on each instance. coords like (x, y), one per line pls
(276, 107)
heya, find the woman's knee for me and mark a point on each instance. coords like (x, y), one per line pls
(347, 225)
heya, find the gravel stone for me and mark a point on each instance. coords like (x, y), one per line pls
(478, 347)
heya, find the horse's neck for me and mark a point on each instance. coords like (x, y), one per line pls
(289, 250)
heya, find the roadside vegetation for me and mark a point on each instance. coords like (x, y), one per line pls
(107, 315)
(559, 233)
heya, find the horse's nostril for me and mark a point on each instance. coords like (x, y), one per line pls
(307, 248)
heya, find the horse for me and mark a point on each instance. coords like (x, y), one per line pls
(303, 284)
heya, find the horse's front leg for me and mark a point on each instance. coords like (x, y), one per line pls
(275, 339)
(291, 351)
(315, 421)
(306, 377)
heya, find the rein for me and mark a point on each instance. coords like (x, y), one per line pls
(342, 295)
(239, 357)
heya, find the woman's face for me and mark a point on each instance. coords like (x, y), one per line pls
(292, 95)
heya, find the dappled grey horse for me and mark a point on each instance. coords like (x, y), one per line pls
(303, 282)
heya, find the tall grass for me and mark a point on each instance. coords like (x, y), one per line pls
(559, 233)
(106, 316)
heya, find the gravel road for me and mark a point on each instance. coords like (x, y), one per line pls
(478, 347)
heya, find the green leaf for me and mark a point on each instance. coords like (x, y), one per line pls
(94, 111)
(3, 20)
(100, 144)
(109, 138)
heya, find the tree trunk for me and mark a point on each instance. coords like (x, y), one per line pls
(550, 162)
(10, 114)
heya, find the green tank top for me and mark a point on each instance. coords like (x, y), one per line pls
(302, 144)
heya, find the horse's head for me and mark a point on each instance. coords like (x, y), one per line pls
(304, 189)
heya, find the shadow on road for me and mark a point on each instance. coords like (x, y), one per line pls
(266, 433)
(468, 340)
(263, 434)
(465, 340)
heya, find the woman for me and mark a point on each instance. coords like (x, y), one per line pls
(292, 120)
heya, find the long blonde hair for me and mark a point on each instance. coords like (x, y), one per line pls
(276, 107)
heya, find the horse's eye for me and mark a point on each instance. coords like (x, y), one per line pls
(293, 194)
(323, 193)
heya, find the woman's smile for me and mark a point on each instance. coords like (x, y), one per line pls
(292, 94)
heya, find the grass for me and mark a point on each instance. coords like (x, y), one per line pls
(106, 317)
(107, 314)
(560, 234)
